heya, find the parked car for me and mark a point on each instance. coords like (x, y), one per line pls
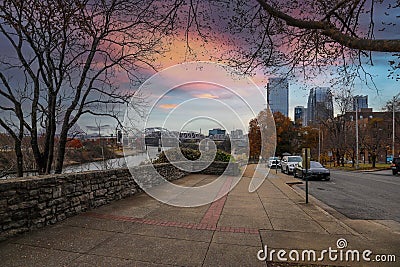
(274, 163)
(316, 171)
(288, 163)
(395, 166)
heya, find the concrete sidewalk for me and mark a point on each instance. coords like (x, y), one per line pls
(140, 231)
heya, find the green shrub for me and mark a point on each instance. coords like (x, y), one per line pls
(222, 156)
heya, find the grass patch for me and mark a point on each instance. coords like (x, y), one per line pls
(362, 166)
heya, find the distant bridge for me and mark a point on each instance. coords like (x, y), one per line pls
(153, 136)
(191, 136)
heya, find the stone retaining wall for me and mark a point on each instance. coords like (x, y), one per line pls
(33, 202)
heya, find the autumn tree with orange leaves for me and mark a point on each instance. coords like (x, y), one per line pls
(285, 134)
(254, 139)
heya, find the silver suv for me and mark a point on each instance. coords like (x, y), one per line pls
(288, 163)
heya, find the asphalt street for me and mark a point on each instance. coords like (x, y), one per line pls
(360, 195)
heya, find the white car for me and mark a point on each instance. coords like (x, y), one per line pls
(274, 163)
(289, 163)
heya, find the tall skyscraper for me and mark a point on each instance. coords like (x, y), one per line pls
(320, 105)
(278, 95)
(360, 101)
(300, 115)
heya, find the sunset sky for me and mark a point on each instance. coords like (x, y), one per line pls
(383, 90)
(212, 98)
(198, 95)
(299, 88)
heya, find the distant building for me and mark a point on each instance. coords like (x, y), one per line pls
(216, 131)
(300, 115)
(320, 105)
(376, 128)
(278, 95)
(217, 134)
(360, 101)
(237, 134)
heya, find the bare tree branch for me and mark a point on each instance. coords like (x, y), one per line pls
(328, 29)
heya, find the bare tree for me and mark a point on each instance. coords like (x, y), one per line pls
(339, 129)
(372, 138)
(307, 36)
(338, 21)
(66, 59)
(394, 103)
(324, 32)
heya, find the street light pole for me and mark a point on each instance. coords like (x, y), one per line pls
(393, 110)
(357, 166)
(319, 143)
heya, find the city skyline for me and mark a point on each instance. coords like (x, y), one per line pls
(296, 95)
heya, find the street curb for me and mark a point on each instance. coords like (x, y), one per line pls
(324, 208)
(327, 210)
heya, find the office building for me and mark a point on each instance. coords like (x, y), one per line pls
(360, 101)
(300, 115)
(216, 131)
(320, 105)
(278, 95)
(217, 134)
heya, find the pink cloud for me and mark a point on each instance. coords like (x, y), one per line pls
(168, 106)
(206, 95)
(200, 86)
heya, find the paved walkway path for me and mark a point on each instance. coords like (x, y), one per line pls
(140, 231)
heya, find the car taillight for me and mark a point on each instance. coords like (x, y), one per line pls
(393, 165)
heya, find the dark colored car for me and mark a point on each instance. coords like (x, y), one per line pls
(316, 171)
(395, 166)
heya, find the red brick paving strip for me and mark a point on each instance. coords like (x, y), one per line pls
(213, 213)
(195, 226)
(209, 221)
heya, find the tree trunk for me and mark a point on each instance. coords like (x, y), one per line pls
(51, 134)
(20, 158)
(337, 157)
(373, 157)
(41, 165)
(50, 156)
(61, 151)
